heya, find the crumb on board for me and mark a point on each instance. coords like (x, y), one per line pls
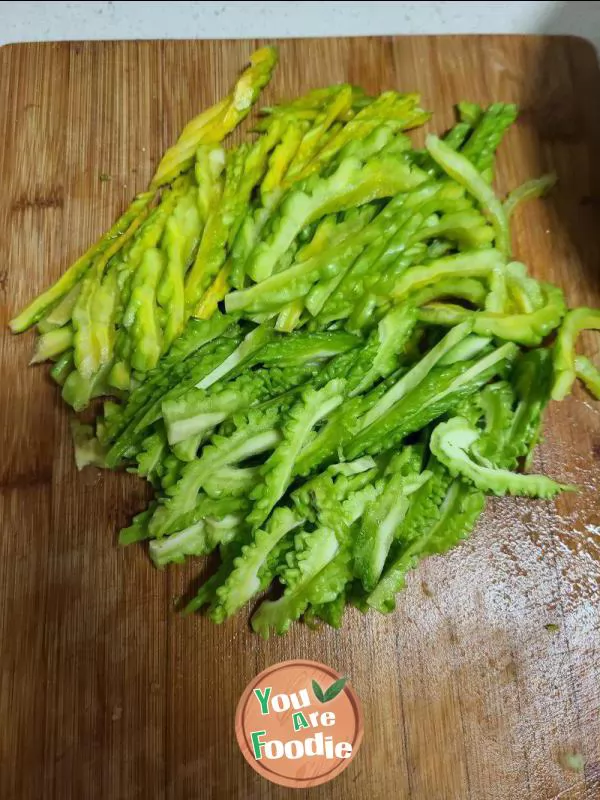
(574, 762)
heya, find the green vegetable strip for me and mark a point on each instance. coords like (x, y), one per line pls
(454, 138)
(400, 112)
(211, 252)
(170, 370)
(469, 112)
(481, 263)
(87, 361)
(353, 183)
(221, 221)
(299, 348)
(469, 289)
(331, 582)
(144, 410)
(63, 367)
(577, 320)
(137, 531)
(381, 352)
(497, 300)
(250, 345)
(490, 127)
(278, 469)
(279, 162)
(525, 293)
(342, 426)
(208, 170)
(192, 541)
(392, 229)
(455, 519)
(231, 481)
(88, 450)
(147, 237)
(537, 187)
(105, 297)
(340, 103)
(78, 391)
(198, 411)
(312, 102)
(244, 580)
(289, 316)
(588, 374)
(150, 456)
(471, 347)
(425, 504)
(312, 554)
(206, 593)
(532, 382)
(331, 612)
(419, 214)
(296, 281)
(257, 435)
(383, 516)
(451, 442)
(209, 363)
(187, 449)
(199, 539)
(278, 290)
(469, 229)
(435, 395)
(104, 310)
(527, 329)
(252, 226)
(461, 170)
(61, 314)
(52, 344)
(412, 378)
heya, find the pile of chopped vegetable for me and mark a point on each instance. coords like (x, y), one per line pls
(317, 346)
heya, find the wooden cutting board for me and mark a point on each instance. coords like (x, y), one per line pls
(485, 682)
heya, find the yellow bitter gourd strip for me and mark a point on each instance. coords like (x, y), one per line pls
(87, 351)
(107, 246)
(214, 124)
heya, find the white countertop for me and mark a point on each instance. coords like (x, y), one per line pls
(39, 21)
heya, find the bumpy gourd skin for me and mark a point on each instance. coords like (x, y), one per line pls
(451, 443)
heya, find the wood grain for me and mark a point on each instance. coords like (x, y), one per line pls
(105, 692)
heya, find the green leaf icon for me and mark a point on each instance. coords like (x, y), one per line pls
(318, 692)
(333, 691)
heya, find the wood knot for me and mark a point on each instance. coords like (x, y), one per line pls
(53, 199)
